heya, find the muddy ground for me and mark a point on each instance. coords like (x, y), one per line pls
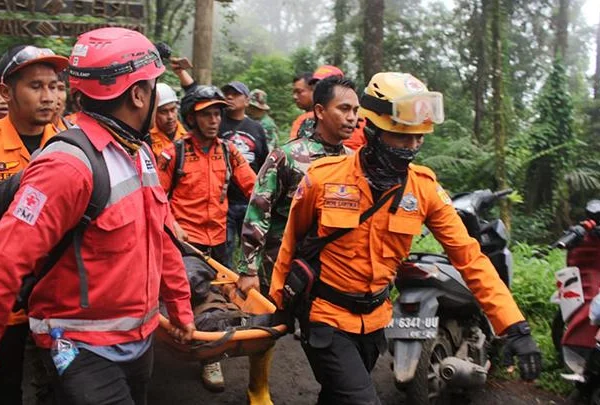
(292, 383)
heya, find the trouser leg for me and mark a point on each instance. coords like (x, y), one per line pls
(342, 363)
(12, 355)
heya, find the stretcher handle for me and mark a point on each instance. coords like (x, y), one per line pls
(244, 334)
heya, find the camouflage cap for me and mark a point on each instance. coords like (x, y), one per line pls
(258, 99)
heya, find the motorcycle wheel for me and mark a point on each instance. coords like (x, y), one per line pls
(427, 387)
(558, 330)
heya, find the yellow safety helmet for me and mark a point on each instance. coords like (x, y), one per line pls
(399, 102)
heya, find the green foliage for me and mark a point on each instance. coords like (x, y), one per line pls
(274, 75)
(553, 132)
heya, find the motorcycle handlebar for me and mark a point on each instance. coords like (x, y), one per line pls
(570, 237)
(503, 193)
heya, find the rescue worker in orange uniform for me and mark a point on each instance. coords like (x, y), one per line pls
(199, 195)
(28, 83)
(304, 125)
(302, 93)
(167, 127)
(342, 341)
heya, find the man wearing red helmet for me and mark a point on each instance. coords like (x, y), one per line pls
(28, 83)
(103, 296)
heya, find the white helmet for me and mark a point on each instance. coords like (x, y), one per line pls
(165, 94)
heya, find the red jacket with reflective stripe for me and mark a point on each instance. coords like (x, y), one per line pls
(129, 258)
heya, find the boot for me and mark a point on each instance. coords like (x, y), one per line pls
(258, 386)
(212, 377)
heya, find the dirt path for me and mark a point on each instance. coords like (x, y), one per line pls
(292, 383)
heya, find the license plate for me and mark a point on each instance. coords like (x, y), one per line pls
(412, 328)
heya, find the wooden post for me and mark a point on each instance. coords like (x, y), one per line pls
(203, 26)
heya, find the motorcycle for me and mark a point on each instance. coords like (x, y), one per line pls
(574, 337)
(438, 336)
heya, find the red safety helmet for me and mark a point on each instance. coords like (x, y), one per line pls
(105, 62)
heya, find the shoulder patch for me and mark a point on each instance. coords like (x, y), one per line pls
(423, 170)
(30, 205)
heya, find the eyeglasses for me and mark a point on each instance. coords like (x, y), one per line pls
(416, 109)
(25, 55)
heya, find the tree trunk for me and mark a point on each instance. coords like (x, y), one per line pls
(498, 107)
(481, 72)
(340, 11)
(597, 75)
(203, 28)
(373, 38)
(562, 30)
(159, 19)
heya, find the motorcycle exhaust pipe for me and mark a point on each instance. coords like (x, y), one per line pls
(460, 373)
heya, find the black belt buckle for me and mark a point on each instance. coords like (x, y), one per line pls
(365, 305)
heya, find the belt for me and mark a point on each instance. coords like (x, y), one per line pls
(355, 303)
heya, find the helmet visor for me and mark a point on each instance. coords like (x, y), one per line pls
(416, 109)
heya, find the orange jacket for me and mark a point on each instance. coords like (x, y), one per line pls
(358, 136)
(334, 193)
(298, 123)
(14, 157)
(160, 140)
(196, 203)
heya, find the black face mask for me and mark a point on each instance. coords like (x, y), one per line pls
(384, 165)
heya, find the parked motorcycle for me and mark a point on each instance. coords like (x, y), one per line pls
(439, 337)
(574, 337)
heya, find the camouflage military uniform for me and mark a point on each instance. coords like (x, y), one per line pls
(307, 128)
(271, 131)
(271, 200)
(258, 100)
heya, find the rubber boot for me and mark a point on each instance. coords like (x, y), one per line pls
(258, 386)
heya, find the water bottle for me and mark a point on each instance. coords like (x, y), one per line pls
(63, 350)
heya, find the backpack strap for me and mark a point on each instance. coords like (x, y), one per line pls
(179, 162)
(98, 200)
(228, 171)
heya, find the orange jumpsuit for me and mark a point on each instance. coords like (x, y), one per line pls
(14, 157)
(160, 140)
(334, 193)
(196, 200)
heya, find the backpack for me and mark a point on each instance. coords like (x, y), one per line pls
(180, 160)
(98, 200)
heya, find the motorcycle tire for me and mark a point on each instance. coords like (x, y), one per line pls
(427, 387)
(558, 330)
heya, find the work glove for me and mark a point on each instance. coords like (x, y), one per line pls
(284, 317)
(520, 343)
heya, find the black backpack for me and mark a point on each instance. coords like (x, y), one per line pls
(98, 200)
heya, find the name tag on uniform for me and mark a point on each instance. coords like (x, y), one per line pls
(342, 196)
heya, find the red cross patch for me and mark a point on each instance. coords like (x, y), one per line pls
(30, 205)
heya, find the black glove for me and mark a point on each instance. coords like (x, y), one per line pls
(283, 317)
(520, 343)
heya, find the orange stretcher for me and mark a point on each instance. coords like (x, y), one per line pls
(241, 341)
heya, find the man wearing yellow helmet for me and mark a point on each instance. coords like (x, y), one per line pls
(342, 329)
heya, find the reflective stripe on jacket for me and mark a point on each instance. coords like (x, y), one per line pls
(128, 256)
(14, 157)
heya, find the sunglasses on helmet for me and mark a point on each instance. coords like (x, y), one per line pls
(416, 109)
(27, 54)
